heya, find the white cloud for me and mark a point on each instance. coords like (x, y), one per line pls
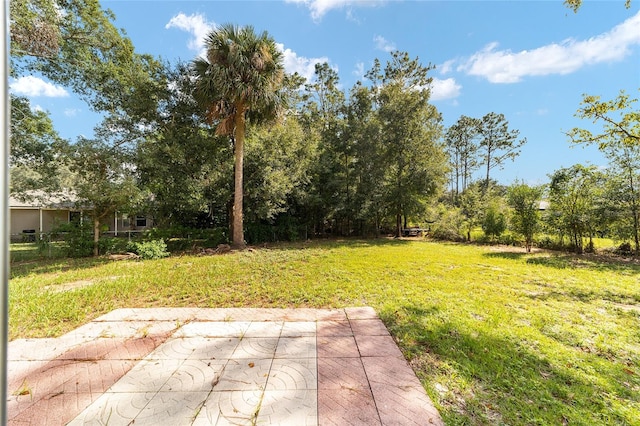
(446, 67)
(33, 86)
(198, 26)
(319, 8)
(71, 112)
(359, 70)
(504, 66)
(306, 67)
(195, 24)
(384, 44)
(444, 89)
(37, 108)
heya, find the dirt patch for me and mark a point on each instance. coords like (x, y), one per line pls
(75, 285)
(625, 307)
(60, 288)
(123, 256)
(514, 249)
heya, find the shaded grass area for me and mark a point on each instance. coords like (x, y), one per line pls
(496, 337)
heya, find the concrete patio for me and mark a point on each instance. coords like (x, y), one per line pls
(236, 366)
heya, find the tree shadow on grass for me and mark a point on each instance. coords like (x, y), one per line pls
(330, 243)
(572, 261)
(345, 241)
(44, 266)
(484, 378)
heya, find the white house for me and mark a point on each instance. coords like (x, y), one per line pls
(43, 213)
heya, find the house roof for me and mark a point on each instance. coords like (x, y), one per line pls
(42, 200)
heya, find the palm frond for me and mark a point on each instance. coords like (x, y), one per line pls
(240, 67)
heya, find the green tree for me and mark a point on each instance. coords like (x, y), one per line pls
(525, 217)
(369, 163)
(462, 147)
(621, 122)
(74, 43)
(494, 222)
(323, 115)
(497, 143)
(35, 163)
(242, 74)
(187, 168)
(471, 207)
(574, 194)
(619, 141)
(411, 130)
(622, 192)
(620, 205)
(277, 162)
(104, 182)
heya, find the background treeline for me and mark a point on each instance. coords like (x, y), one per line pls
(365, 161)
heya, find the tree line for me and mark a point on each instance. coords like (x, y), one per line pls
(230, 141)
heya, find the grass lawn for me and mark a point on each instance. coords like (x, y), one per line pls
(496, 336)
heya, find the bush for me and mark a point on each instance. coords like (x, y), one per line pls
(494, 223)
(545, 242)
(154, 249)
(510, 239)
(448, 223)
(285, 228)
(179, 238)
(446, 234)
(111, 245)
(78, 238)
(624, 249)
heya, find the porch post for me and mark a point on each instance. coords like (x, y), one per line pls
(115, 220)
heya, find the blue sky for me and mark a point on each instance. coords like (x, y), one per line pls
(529, 60)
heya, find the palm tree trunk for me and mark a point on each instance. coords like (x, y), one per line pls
(238, 230)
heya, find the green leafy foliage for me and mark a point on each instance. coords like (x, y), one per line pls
(276, 169)
(78, 237)
(103, 182)
(154, 249)
(619, 141)
(35, 163)
(75, 44)
(494, 222)
(181, 238)
(574, 194)
(525, 218)
(497, 142)
(415, 164)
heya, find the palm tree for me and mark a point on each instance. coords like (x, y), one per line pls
(240, 77)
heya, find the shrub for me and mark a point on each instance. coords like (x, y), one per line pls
(154, 249)
(110, 245)
(624, 249)
(179, 238)
(448, 224)
(545, 242)
(494, 223)
(446, 234)
(78, 238)
(284, 229)
(509, 239)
